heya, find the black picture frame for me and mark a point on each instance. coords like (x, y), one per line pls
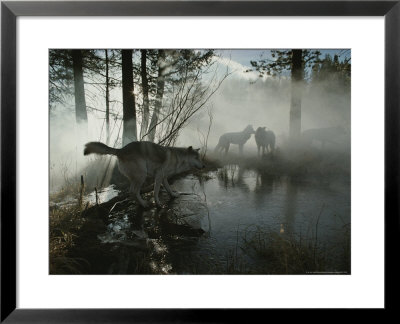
(11, 10)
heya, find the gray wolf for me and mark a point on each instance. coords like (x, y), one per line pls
(333, 135)
(265, 140)
(139, 160)
(239, 138)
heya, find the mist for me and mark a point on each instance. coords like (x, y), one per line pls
(243, 98)
(267, 191)
(266, 102)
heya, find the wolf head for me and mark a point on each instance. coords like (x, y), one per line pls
(194, 158)
(249, 130)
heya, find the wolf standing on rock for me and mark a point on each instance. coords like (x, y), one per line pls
(239, 138)
(138, 160)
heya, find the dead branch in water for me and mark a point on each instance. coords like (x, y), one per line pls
(81, 192)
(204, 140)
(316, 231)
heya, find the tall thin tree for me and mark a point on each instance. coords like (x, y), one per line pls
(159, 95)
(107, 100)
(295, 60)
(128, 105)
(145, 89)
(296, 88)
(80, 102)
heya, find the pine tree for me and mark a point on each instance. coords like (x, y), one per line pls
(128, 98)
(296, 61)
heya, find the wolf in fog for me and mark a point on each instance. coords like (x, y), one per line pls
(265, 139)
(239, 138)
(139, 160)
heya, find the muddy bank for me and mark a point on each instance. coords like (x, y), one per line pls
(119, 237)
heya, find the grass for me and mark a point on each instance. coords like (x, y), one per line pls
(74, 247)
(68, 190)
(68, 216)
(65, 223)
(292, 254)
(284, 254)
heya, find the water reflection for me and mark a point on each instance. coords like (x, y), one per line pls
(264, 183)
(233, 199)
(231, 176)
(290, 206)
(264, 186)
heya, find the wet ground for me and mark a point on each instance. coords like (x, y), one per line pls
(222, 223)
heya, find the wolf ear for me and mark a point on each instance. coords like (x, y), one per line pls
(190, 148)
(197, 150)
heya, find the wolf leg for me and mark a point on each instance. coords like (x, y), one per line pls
(169, 189)
(135, 190)
(157, 183)
(227, 148)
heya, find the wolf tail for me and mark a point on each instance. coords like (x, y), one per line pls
(99, 148)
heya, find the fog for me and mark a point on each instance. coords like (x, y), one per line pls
(239, 102)
(281, 206)
(242, 99)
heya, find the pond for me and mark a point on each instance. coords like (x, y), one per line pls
(237, 221)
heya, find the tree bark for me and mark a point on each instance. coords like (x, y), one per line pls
(80, 102)
(296, 89)
(129, 110)
(159, 95)
(145, 89)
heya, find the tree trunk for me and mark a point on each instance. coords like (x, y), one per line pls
(80, 102)
(159, 96)
(107, 102)
(296, 89)
(129, 111)
(145, 88)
